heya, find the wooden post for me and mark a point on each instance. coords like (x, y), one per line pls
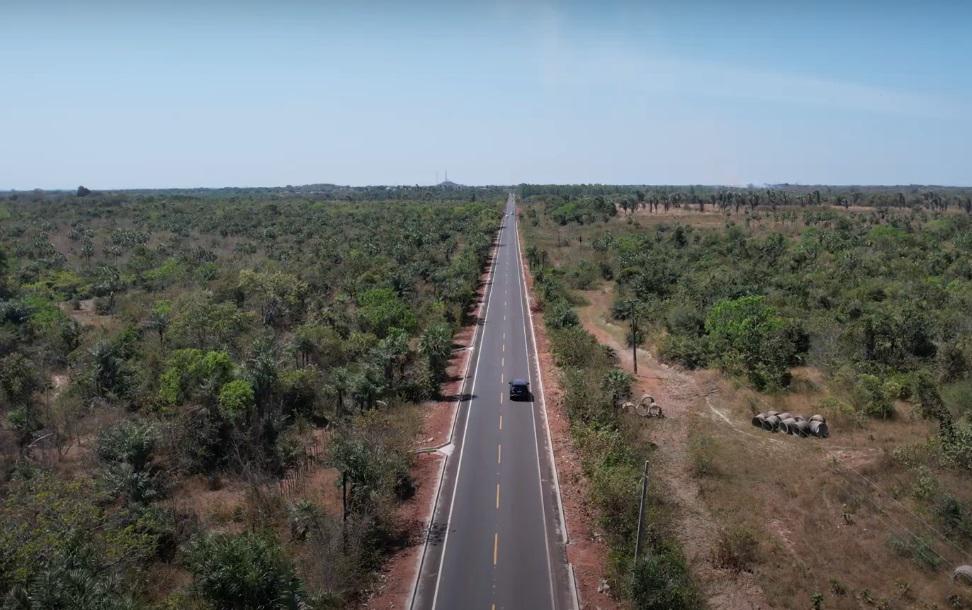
(641, 512)
(344, 496)
(634, 337)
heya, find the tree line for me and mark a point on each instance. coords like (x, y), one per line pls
(162, 336)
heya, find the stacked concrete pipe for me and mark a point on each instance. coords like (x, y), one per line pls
(797, 425)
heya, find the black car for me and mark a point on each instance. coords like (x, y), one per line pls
(519, 389)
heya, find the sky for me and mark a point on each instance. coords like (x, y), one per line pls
(129, 94)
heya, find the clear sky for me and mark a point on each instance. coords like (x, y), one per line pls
(117, 94)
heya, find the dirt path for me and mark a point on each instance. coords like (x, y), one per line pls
(686, 400)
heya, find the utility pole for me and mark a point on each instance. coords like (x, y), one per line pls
(634, 336)
(641, 512)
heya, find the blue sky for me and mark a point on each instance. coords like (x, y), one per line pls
(139, 94)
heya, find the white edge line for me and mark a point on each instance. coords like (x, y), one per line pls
(524, 305)
(543, 410)
(472, 392)
(536, 354)
(452, 432)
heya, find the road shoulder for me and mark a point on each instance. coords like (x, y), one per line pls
(400, 573)
(586, 551)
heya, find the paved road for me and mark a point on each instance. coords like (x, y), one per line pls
(496, 542)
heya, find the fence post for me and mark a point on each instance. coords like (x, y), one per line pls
(641, 512)
(634, 337)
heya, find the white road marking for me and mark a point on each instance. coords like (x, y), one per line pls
(553, 464)
(465, 430)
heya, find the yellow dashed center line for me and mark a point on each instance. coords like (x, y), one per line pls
(495, 548)
(497, 496)
(501, 421)
(499, 454)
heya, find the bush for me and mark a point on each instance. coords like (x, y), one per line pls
(248, 571)
(661, 582)
(61, 542)
(573, 347)
(749, 336)
(958, 397)
(917, 549)
(870, 397)
(617, 384)
(236, 400)
(103, 306)
(689, 351)
(958, 450)
(685, 320)
(582, 276)
(126, 450)
(131, 442)
(193, 373)
(561, 315)
(18, 378)
(953, 515)
(737, 550)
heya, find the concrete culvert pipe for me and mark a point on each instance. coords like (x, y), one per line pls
(787, 425)
(771, 413)
(819, 428)
(963, 574)
(818, 418)
(802, 428)
(784, 416)
(771, 423)
(758, 419)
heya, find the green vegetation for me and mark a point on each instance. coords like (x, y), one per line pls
(848, 302)
(173, 364)
(594, 388)
(877, 299)
(243, 571)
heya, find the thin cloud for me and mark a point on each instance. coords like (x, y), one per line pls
(621, 68)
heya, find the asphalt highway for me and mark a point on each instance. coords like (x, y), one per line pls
(496, 540)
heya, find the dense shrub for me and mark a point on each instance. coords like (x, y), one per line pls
(747, 335)
(243, 571)
(870, 396)
(662, 582)
(560, 314)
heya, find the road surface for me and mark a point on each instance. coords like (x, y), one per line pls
(496, 540)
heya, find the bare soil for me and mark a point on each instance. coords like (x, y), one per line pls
(86, 315)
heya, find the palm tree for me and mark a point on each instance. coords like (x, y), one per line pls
(159, 321)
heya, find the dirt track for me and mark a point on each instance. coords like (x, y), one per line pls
(684, 400)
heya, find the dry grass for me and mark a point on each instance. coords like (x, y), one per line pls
(839, 509)
(844, 522)
(833, 517)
